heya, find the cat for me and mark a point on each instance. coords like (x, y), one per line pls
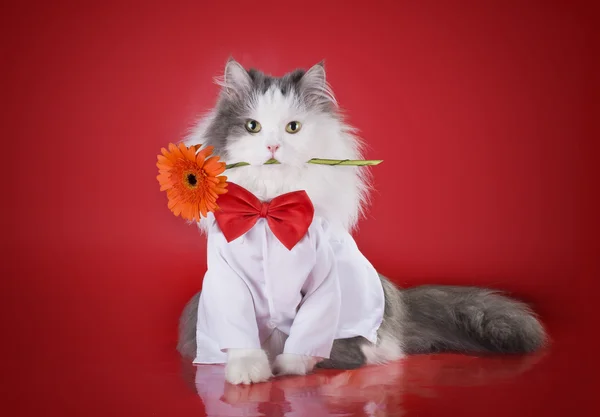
(294, 118)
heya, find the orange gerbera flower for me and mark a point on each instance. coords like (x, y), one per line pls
(191, 179)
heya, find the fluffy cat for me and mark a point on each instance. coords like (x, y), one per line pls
(292, 119)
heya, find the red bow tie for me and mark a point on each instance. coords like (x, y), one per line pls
(288, 215)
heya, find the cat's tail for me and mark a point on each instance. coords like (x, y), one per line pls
(460, 319)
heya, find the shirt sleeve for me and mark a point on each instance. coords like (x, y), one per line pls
(231, 319)
(315, 325)
(363, 301)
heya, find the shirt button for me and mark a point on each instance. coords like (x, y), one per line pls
(271, 325)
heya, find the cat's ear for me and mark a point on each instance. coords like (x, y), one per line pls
(315, 77)
(236, 79)
(314, 87)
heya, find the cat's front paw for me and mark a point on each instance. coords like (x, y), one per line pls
(247, 366)
(290, 364)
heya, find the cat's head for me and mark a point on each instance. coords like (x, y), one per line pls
(292, 119)
(289, 118)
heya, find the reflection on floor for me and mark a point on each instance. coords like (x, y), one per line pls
(371, 391)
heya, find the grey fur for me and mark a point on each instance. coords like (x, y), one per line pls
(468, 319)
(426, 319)
(186, 342)
(346, 354)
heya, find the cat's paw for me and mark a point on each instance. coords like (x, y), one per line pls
(290, 364)
(247, 366)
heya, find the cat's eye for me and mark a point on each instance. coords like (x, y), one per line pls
(293, 127)
(253, 126)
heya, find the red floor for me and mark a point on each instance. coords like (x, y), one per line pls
(553, 383)
(108, 350)
(483, 112)
(430, 385)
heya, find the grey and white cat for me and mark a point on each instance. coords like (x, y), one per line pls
(294, 118)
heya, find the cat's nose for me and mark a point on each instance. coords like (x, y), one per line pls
(272, 148)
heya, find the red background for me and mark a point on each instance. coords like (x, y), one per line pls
(481, 110)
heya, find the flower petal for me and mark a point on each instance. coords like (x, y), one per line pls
(212, 165)
(177, 209)
(212, 192)
(175, 151)
(203, 208)
(163, 160)
(188, 153)
(207, 150)
(171, 204)
(211, 206)
(168, 154)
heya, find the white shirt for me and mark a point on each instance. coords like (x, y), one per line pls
(321, 290)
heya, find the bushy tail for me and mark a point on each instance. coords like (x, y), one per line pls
(462, 319)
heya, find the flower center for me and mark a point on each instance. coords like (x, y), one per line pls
(190, 179)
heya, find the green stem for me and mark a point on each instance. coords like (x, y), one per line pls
(319, 161)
